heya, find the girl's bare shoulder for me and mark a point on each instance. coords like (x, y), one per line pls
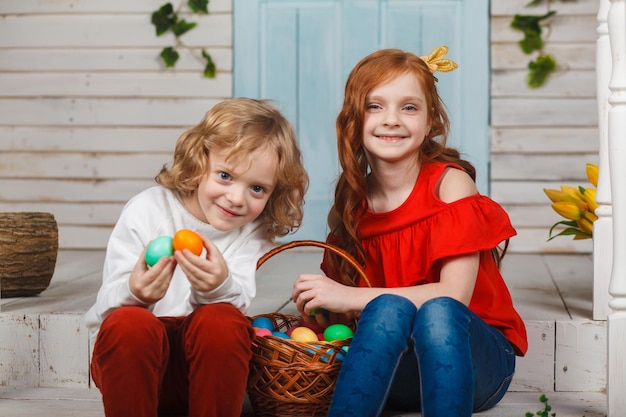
(455, 184)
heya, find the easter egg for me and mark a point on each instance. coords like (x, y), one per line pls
(158, 248)
(263, 323)
(304, 334)
(282, 335)
(337, 332)
(261, 331)
(188, 239)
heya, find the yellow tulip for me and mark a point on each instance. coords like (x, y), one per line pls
(554, 195)
(590, 216)
(592, 174)
(568, 209)
(589, 195)
(585, 223)
(574, 195)
(577, 205)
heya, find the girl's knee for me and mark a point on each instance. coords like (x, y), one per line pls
(441, 307)
(387, 303)
(386, 313)
(441, 320)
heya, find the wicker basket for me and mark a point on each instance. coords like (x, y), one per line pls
(289, 378)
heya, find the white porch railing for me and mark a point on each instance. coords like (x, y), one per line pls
(603, 226)
(609, 229)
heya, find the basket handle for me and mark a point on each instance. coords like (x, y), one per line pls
(296, 243)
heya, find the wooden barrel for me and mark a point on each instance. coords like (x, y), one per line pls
(29, 244)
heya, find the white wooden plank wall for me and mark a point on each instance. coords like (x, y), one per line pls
(88, 115)
(542, 138)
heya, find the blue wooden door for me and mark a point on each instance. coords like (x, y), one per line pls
(298, 53)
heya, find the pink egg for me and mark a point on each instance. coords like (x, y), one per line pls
(263, 332)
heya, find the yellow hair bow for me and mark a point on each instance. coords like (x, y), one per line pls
(436, 61)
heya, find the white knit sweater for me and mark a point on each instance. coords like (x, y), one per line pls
(157, 212)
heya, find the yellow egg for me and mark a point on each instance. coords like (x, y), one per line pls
(304, 334)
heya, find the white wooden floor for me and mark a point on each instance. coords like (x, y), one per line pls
(553, 294)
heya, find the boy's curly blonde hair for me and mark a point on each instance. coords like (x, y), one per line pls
(243, 125)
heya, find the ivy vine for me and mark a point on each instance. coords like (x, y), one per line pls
(166, 19)
(532, 26)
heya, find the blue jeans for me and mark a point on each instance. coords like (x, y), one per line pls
(440, 359)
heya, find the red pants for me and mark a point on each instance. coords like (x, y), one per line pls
(148, 366)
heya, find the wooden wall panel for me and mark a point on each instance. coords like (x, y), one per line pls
(117, 6)
(130, 60)
(83, 91)
(118, 85)
(105, 31)
(94, 111)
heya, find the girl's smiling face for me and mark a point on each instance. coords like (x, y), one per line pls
(234, 191)
(396, 120)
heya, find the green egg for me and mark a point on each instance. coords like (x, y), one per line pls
(158, 248)
(337, 332)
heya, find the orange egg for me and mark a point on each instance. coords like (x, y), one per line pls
(188, 239)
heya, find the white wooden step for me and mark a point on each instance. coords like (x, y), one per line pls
(43, 343)
(64, 402)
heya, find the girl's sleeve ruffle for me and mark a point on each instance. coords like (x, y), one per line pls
(472, 224)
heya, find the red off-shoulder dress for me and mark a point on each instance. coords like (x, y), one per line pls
(405, 246)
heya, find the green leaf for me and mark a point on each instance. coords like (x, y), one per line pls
(529, 22)
(531, 42)
(539, 70)
(183, 26)
(531, 27)
(169, 56)
(198, 6)
(570, 223)
(570, 231)
(164, 18)
(210, 68)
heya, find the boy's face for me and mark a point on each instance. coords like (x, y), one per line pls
(234, 192)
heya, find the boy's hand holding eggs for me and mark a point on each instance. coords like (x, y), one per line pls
(166, 245)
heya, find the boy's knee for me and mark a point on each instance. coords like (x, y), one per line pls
(222, 321)
(131, 323)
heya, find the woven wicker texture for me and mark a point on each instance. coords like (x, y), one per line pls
(290, 378)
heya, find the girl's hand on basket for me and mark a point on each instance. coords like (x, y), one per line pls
(204, 273)
(318, 291)
(150, 284)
